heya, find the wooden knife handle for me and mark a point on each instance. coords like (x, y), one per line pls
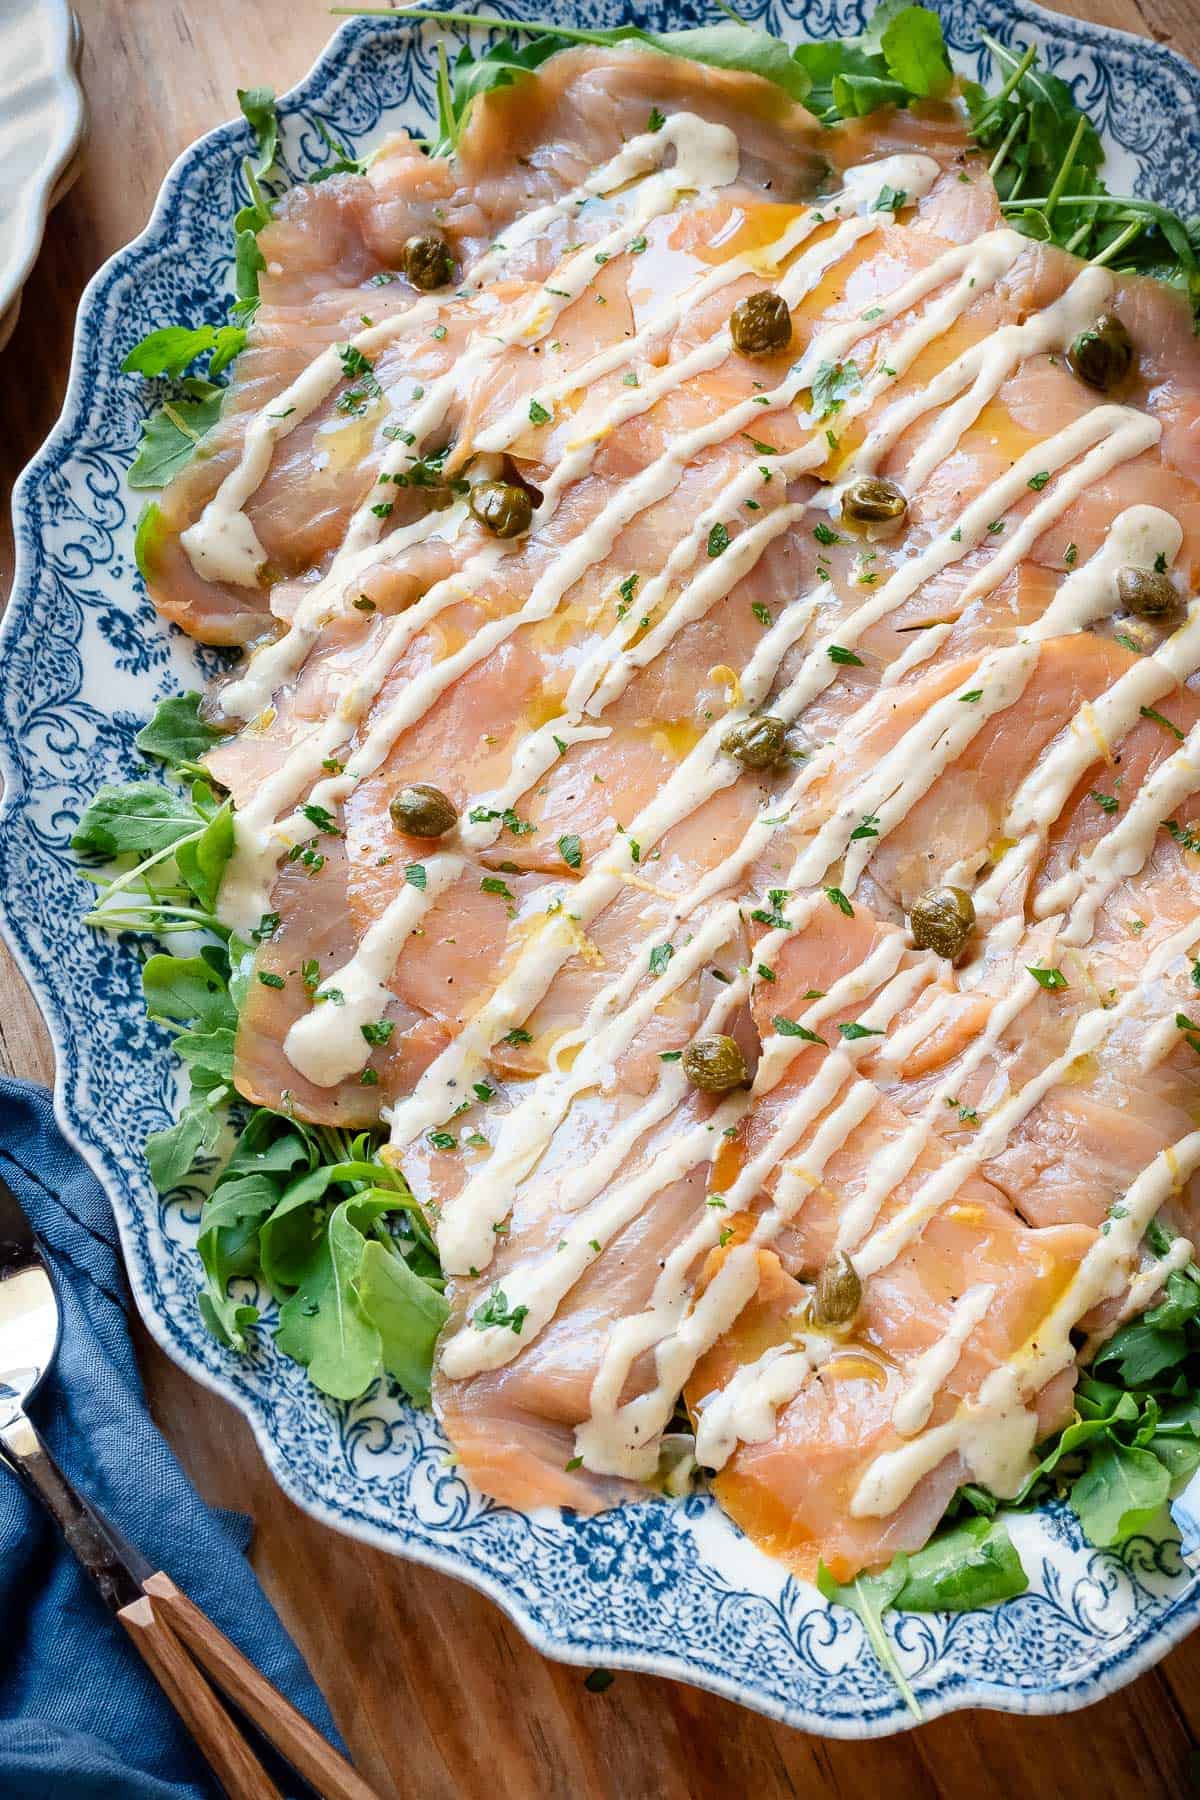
(217, 1738)
(299, 1742)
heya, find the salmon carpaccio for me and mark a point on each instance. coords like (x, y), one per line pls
(965, 702)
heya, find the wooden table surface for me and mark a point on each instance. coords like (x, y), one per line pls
(435, 1692)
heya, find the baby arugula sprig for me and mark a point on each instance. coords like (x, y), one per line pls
(312, 1214)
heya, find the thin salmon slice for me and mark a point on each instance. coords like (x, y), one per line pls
(961, 697)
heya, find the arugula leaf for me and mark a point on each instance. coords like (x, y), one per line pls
(177, 735)
(187, 990)
(258, 109)
(171, 1153)
(968, 1565)
(139, 817)
(1120, 1493)
(201, 860)
(170, 435)
(249, 1188)
(1140, 1352)
(914, 49)
(1046, 160)
(324, 1324)
(407, 1313)
(171, 349)
(901, 56)
(869, 1596)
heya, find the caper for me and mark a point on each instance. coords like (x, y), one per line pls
(714, 1064)
(873, 500)
(422, 811)
(838, 1294)
(428, 263)
(761, 324)
(757, 743)
(1101, 356)
(502, 507)
(1147, 592)
(942, 920)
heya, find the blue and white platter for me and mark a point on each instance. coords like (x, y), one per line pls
(668, 1587)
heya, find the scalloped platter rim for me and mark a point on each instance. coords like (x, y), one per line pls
(671, 1588)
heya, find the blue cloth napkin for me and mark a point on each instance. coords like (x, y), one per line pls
(80, 1717)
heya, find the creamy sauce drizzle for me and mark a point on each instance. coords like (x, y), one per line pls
(993, 1431)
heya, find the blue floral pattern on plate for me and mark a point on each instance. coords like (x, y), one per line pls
(671, 1588)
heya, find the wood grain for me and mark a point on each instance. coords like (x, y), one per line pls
(437, 1694)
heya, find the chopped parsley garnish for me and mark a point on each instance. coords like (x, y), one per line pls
(1037, 482)
(484, 815)
(570, 849)
(825, 534)
(538, 414)
(836, 898)
(1053, 980)
(1156, 718)
(833, 385)
(889, 199)
(656, 121)
(771, 914)
(516, 1037)
(378, 1031)
(496, 1311)
(414, 875)
(269, 979)
(322, 818)
(718, 539)
(494, 884)
(868, 828)
(1106, 802)
(660, 956)
(762, 613)
(844, 658)
(1187, 837)
(790, 1028)
(358, 368)
(971, 695)
(851, 1030)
